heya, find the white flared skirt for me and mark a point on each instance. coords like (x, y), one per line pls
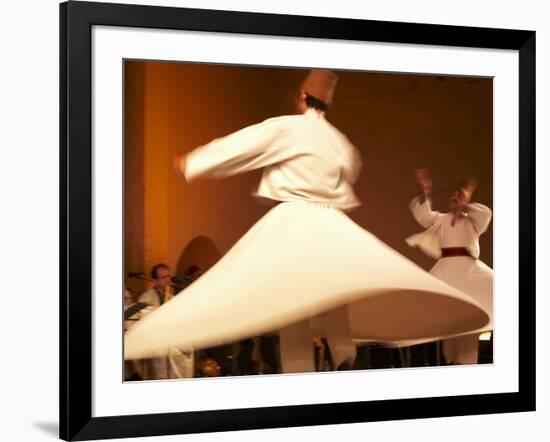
(298, 261)
(471, 276)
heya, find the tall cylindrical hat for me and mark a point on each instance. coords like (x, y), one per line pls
(320, 84)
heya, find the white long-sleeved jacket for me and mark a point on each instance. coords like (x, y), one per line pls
(440, 233)
(303, 156)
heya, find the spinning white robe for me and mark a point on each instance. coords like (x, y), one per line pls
(466, 273)
(305, 257)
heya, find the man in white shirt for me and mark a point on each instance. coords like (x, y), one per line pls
(288, 149)
(453, 239)
(161, 290)
(303, 156)
(178, 363)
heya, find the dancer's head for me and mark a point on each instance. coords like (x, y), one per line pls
(317, 91)
(462, 194)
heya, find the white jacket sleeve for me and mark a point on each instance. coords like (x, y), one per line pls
(421, 209)
(480, 216)
(250, 148)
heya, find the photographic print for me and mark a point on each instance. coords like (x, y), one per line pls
(273, 221)
(290, 220)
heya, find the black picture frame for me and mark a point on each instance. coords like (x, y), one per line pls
(76, 21)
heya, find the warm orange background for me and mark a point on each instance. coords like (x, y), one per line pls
(399, 123)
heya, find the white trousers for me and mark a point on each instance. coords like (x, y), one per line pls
(461, 350)
(296, 341)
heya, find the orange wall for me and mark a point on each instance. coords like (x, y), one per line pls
(399, 122)
(134, 172)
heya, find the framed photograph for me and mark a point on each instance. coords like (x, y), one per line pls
(273, 220)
